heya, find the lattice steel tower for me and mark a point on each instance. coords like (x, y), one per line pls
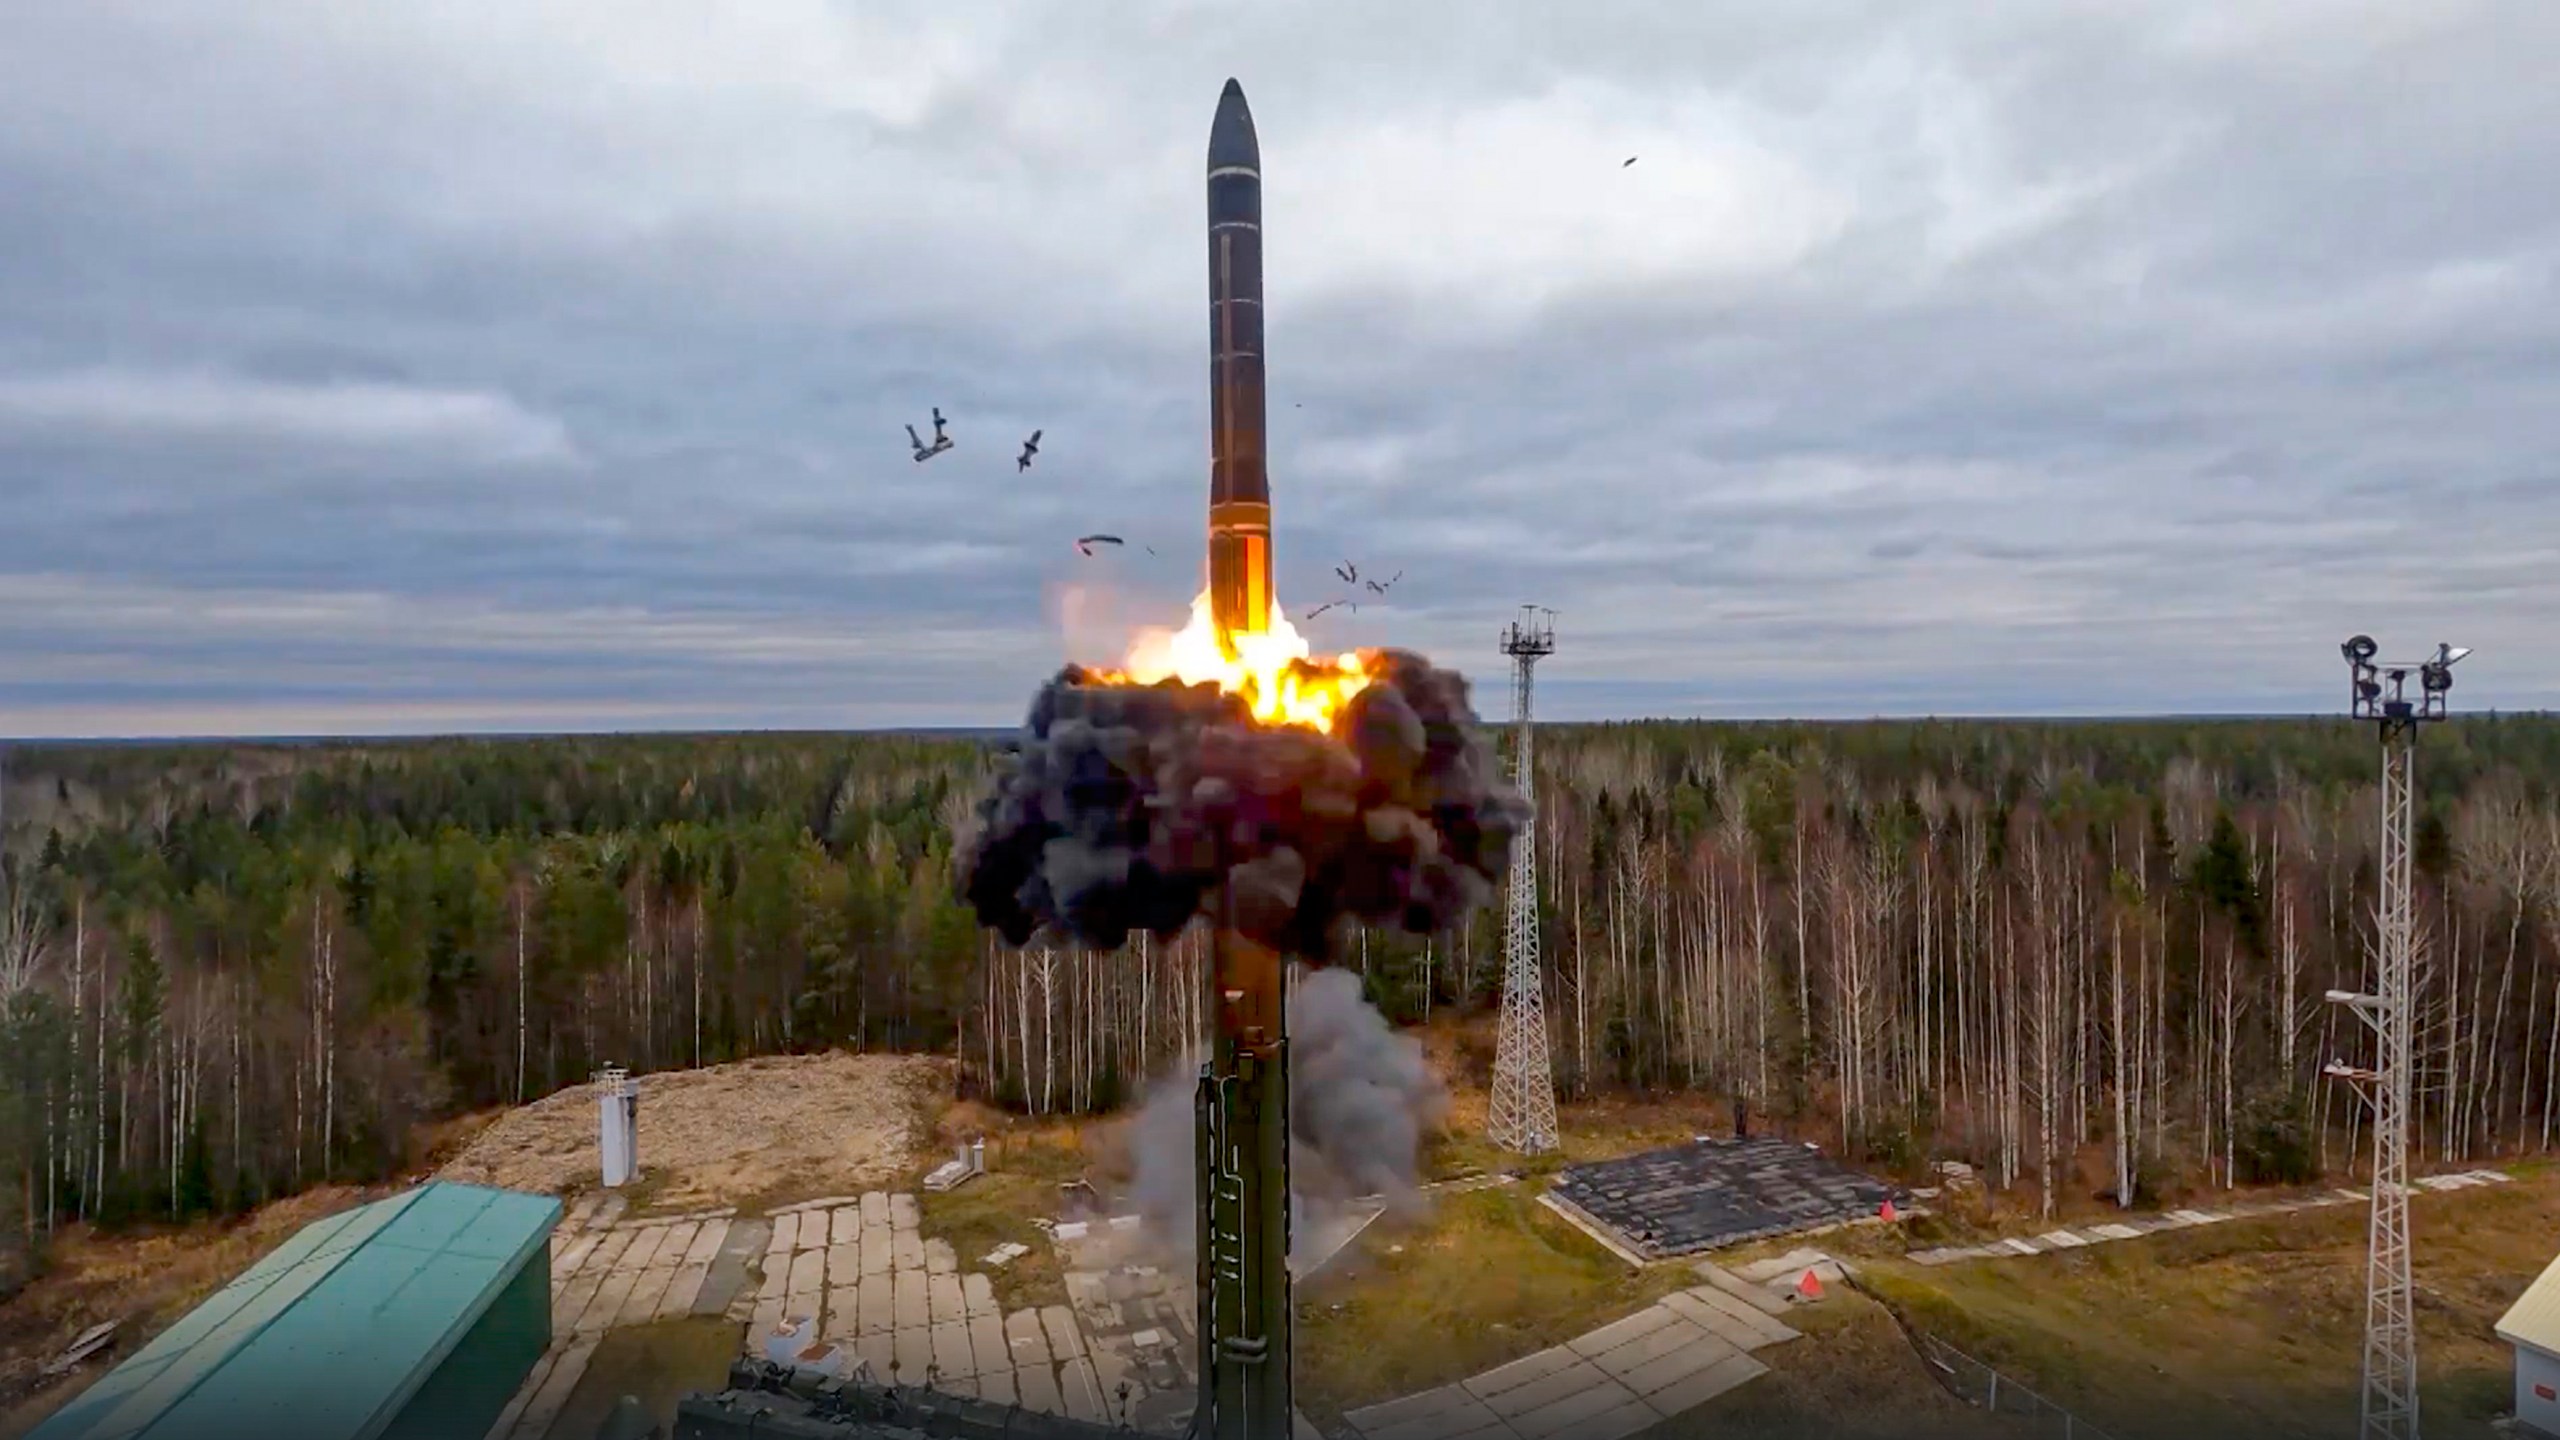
(2390, 1404)
(1523, 1114)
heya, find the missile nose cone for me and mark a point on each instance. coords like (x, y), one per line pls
(1231, 138)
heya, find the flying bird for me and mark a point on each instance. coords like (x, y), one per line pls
(1349, 572)
(1630, 161)
(1086, 543)
(941, 442)
(1381, 588)
(1333, 604)
(1030, 448)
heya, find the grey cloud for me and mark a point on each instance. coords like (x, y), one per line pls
(2164, 340)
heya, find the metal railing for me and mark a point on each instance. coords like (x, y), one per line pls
(1984, 1388)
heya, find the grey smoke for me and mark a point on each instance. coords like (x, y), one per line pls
(1121, 808)
(1361, 1098)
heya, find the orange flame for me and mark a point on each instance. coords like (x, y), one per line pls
(1272, 670)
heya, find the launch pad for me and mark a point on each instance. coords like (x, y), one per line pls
(1714, 1193)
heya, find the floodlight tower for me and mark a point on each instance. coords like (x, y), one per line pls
(1523, 1113)
(2390, 1405)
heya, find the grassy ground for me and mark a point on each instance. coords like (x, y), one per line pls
(2251, 1323)
(660, 1364)
(1027, 1160)
(1852, 1377)
(1486, 1277)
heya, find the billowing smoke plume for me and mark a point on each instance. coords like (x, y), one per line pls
(1123, 807)
(1361, 1098)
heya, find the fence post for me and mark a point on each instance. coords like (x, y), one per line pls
(1993, 1405)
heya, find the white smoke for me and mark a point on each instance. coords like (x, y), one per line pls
(1361, 1097)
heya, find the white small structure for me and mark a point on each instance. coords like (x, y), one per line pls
(952, 1174)
(618, 1124)
(2532, 1326)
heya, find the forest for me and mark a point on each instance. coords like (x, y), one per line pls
(2088, 953)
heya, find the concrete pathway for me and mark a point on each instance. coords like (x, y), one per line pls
(2134, 1227)
(1621, 1378)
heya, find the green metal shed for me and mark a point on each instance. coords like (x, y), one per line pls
(412, 1318)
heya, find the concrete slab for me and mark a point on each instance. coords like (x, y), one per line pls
(646, 1293)
(1564, 1416)
(569, 1304)
(1528, 1369)
(875, 1306)
(939, 1258)
(844, 1226)
(996, 1387)
(876, 1350)
(844, 1264)
(677, 1243)
(684, 1290)
(1674, 1339)
(1617, 1424)
(615, 1294)
(943, 1300)
(643, 1248)
(875, 1208)
(978, 1295)
(1036, 1389)
(1026, 1338)
(906, 1250)
(912, 1350)
(877, 1253)
(904, 1212)
(912, 1309)
(1686, 1395)
(1422, 1405)
(1578, 1378)
(2060, 1240)
(568, 1258)
(707, 1242)
(1745, 1327)
(1664, 1371)
(786, 1229)
(1081, 1389)
(842, 1321)
(808, 1273)
(1755, 1296)
(988, 1351)
(2115, 1232)
(777, 1277)
(1619, 1332)
(1059, 1324)
(952, 1355)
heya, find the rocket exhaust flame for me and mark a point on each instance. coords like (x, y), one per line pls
(1269, 667)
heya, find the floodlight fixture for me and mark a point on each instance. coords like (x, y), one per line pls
(2359, 650)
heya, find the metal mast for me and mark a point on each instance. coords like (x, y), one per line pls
(1523, 1113)
(2390, 1391)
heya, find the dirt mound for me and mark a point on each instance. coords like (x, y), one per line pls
(773, 1129)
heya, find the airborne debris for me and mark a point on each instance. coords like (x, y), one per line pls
(941, 441)
(1030, 448)
(1630, 161)
(1129, 807)
(1380, 587)
(1349, 572)
(1086, 543)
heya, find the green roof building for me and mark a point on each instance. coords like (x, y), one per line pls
(412, 1318)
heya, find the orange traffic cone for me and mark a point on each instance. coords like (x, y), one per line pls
(1885, 1212)
(1810, 1287)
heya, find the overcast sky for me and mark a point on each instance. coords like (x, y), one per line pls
(543, 365)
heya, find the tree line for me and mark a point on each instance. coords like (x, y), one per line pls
(228, 972)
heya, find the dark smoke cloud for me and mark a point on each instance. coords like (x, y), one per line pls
(1361, 1097)
(1121, 808)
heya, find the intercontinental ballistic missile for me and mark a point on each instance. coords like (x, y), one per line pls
(1239, 487)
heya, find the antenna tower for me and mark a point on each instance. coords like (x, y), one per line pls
(2390, 1403)
(1524, 1086)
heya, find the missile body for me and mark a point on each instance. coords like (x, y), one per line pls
(1239, 488)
